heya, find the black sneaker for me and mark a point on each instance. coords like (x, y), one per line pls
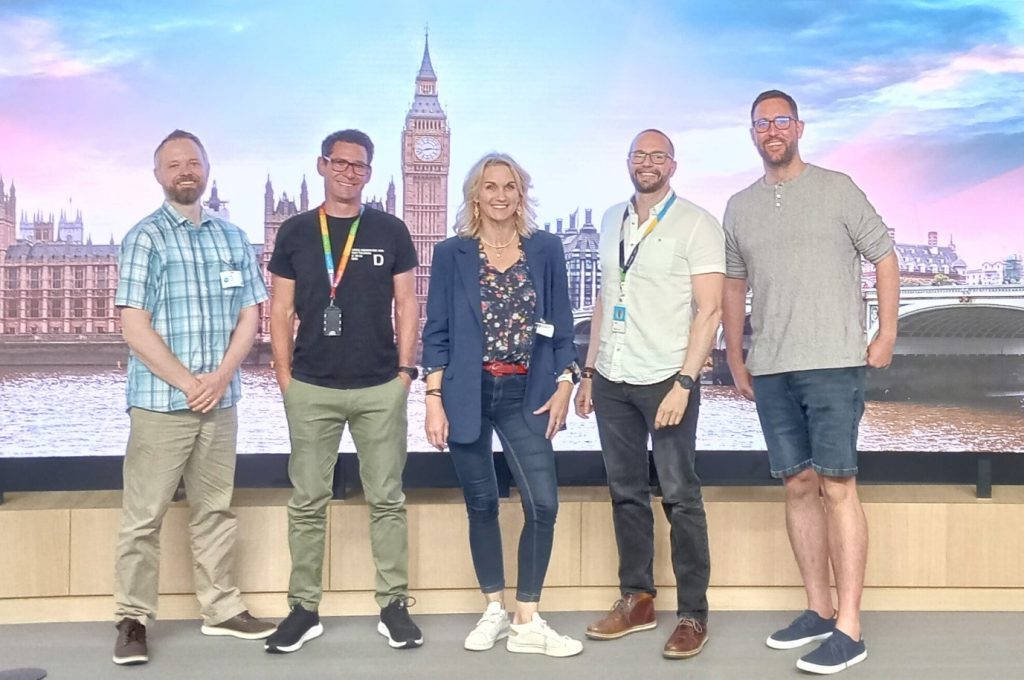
(397, 626)
(130, 648)
(300, 627)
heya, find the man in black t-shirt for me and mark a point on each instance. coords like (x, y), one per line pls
(338, 269)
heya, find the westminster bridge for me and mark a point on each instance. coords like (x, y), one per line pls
(954, 341)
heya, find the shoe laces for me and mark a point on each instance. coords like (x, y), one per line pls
(809, 619)
(697, 626)
(494, 617)
(403, 602)
(134, 631)
(549, 632)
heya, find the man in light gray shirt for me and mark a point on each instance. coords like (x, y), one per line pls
(796, 237)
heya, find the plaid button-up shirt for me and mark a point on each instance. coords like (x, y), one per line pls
(176, 272)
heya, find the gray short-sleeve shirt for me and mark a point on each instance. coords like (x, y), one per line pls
(799, 246)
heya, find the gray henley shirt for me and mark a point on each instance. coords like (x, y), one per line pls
(799, 246)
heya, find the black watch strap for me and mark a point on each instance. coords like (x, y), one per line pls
(686, 382)
(410, 371)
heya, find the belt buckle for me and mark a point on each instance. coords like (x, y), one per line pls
(500, 368)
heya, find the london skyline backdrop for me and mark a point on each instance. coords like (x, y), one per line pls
(917, 101)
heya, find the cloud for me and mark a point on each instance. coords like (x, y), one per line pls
(984, 59)
(85, 42)
(33, 47)
(845, 33)
(825, 52)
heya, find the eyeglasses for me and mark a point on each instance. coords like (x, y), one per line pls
(780, 122)
(341, 165)
(657, 157)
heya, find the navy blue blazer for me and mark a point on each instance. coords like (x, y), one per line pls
(453, 336)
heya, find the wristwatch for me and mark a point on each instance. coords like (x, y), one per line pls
(685, 381)
(410, 371)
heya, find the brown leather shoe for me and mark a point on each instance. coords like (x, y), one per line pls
(635, 611)
(686, 640)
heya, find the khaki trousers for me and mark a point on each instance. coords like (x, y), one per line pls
(316, 420)
(163, 448)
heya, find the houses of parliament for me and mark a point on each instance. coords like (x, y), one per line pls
(55, 287)
(58, 286)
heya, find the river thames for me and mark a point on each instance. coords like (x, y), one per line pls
(80, 411)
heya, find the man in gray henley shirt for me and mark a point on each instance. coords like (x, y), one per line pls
(796, 237)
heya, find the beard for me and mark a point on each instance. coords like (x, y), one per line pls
(648, 187)
(185, 195)
(784, 158)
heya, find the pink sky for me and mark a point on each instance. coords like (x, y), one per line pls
(985, 220)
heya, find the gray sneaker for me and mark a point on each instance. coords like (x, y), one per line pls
(806, 628)
(244, 626)
(130, 648)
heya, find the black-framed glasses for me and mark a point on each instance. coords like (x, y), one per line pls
(341, 165)
(780, 123)
(657, 157)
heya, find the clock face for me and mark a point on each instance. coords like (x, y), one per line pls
(427, 148)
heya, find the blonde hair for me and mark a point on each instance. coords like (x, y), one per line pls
(468, 221)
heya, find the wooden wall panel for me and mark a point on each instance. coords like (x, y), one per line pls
(930, 549)
(34, 557)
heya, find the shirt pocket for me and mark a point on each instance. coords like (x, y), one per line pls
(657, 257)
(229, 298)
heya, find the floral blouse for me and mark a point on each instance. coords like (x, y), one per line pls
(507, 303)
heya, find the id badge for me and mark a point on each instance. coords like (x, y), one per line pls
(619, 319)
(231, 279)
(545, 329)
(332, 321)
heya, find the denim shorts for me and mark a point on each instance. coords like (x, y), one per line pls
(810, 419)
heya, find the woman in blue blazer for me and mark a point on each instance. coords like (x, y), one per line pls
(499, 357)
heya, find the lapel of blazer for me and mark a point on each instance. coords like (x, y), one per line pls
(535, 262)
(467, 262)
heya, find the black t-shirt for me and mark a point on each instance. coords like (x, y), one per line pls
(364, 354)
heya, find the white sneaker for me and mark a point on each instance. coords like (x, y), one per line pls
(536, 637)
(491, 627)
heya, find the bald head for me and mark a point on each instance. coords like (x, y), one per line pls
(651, 162)
(652, 134)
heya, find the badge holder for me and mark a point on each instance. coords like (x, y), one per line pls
(332, 321)
(619, 319)
(545, 329)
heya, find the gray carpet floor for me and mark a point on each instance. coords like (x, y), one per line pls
(901, 646)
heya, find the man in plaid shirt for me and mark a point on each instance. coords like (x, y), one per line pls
(188, 292)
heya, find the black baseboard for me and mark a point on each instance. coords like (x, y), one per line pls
(575, 468)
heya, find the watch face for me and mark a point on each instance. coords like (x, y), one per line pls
(427, 148)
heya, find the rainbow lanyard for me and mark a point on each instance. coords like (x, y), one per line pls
(334, 278)
(625, 264)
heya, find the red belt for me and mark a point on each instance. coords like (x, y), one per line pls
(500, 368)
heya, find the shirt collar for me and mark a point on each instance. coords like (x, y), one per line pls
(179, 220)
(655, 209)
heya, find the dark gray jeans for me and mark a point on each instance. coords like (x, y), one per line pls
(625, 418)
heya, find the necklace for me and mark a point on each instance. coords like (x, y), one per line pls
(499, 247)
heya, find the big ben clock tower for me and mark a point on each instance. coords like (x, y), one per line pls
(425, 158)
